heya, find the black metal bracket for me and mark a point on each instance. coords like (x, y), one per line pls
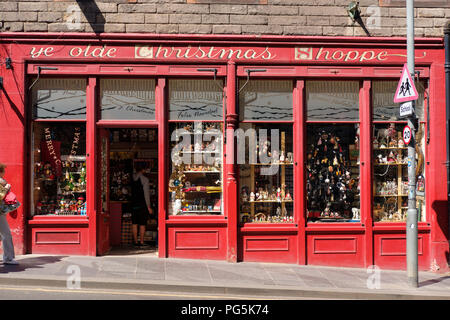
(39, 73)
(248, 76)
(1, 82)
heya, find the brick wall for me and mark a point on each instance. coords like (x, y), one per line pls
(276, 17)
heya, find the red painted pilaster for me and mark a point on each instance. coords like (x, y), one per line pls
(163, 161)
(299, 169)
(365, 156)
(230, 167)
(91, 160)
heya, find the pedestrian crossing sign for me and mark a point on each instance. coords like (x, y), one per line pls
(406, 90)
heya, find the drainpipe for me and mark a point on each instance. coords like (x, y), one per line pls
(447, 109)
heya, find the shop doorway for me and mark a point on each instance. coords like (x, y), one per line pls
(124, 151)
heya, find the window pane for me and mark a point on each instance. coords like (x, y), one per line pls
(195, 182)
(332, 168)
(195, 100)
(59, 186)
(59, 99)
(266, 173)
(384, 108)
(332, 100)
(266, 100)
(390, 172)
(127, 99)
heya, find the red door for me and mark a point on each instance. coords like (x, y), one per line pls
(103, 217)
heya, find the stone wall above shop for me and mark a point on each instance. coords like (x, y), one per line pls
(249, 17)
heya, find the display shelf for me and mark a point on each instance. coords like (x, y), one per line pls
(195, 188)
(218, 172)
(393, 157)
(273, 208)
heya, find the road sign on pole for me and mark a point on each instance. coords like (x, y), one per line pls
(407, 135)
(406, 90)
(406, 109)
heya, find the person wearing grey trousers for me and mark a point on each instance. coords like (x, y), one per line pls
(5, 231)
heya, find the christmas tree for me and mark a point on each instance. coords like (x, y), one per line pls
(330, 187)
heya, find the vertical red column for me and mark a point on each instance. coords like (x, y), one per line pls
(299, 169)
(91, 160)
(163, 161)
(365, 154)
(230, 167)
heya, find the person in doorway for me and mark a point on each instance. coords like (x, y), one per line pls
(5, 232)
(140, 204)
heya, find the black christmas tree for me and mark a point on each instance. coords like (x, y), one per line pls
(330, 187)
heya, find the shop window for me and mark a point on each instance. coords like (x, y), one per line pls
(332, 166)
(384, 108)
(59, 175)
(59, 99)
(265, 152)
(127, 99)
(266, 100)
(266, 173)
(196, 171)
(390, 169)
(195, 100)
(332, 100)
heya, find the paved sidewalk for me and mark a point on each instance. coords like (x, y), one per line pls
(265, 280)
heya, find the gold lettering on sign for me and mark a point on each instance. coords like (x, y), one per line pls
(36, 53)
(160, 52)
(307, 53)
(302, 53)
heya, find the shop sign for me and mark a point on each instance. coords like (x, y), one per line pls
(205, 52)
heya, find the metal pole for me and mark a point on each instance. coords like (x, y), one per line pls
(411, 220)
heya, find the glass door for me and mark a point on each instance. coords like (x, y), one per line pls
(103, 218)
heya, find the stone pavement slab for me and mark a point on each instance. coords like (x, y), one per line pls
(148, 272)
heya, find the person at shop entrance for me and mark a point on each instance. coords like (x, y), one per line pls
(141, 209)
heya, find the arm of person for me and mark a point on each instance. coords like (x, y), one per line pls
(146, 187)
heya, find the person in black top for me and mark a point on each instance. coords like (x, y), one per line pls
(141, 209)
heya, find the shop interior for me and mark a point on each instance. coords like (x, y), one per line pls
(130, 148)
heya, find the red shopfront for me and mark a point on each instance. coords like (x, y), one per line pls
(81, 110)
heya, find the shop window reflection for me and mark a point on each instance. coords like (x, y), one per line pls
(59, 99)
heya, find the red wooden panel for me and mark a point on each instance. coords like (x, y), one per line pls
(130, 69)
(196, 240)
(57, 237)
(327, 71)
(268, 247)
(340, 250)
(267, 244)
(390, 250)
(335, 245)
(396, 246)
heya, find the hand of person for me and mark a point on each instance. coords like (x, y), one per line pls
(150, 210)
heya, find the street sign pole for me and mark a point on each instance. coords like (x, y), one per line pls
(411, 220)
